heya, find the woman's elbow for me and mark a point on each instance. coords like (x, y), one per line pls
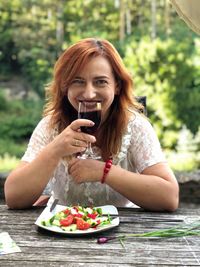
(10, 199)
(13, 198)
(172, 202)
(173, 205)
(13, 203)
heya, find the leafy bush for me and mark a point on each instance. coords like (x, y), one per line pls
(11, 147)
(7, 163)
(167, 73)
(19, 121)
(17, 124)
(182, 161)
(187, 154)
(36, 66)
(3, 101)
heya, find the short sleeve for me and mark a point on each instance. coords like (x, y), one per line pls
(145, 147)
(39, 139)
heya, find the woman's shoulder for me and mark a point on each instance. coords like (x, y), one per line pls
(45, 121)
(139, 119)
(44, 126)
(140, 126)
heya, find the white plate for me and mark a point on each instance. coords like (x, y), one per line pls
(47, 214)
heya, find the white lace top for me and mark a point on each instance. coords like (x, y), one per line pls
(140, 149)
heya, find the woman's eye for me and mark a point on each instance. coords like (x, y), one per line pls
(77, 81)
(101, 82)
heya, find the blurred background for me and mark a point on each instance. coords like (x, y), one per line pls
(160, 51)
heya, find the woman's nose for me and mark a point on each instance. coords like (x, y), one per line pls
(89, 92)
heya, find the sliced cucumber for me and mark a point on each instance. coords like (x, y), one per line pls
(56, 223)
(70, 228)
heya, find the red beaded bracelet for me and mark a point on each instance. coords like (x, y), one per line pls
(106, 170)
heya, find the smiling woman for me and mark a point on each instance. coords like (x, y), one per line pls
(133, 169)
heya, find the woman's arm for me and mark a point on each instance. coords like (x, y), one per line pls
(25, 184)
(155, 188)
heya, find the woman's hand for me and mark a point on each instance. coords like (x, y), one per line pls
(71, 140)
(86, 170)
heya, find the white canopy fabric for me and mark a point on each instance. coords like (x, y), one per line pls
(189, 11)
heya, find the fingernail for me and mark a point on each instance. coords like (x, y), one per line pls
(94, 139)
(92, 123)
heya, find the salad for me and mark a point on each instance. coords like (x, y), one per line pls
(78, 218)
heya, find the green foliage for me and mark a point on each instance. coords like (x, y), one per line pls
(3, 101)
(21, 118)
(7, 163)
(187, 154)
(12, 147)
(36, 68)
(165, 72)
(182, 161)
(188, 97)
(17, 123)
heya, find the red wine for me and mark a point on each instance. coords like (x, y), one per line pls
(94, 116)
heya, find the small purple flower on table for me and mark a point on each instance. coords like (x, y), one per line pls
(104, 239)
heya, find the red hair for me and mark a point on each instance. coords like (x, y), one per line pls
(67, 66)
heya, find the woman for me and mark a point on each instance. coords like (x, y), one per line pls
(93, 70)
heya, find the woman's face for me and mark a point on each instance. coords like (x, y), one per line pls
(95, 82)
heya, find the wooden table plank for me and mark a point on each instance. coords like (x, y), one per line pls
(42, 248)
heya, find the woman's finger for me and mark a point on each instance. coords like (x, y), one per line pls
(79, 143)
(71, 164)
(83, 137)
(75, 125)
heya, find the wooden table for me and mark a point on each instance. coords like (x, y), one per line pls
(42, 248)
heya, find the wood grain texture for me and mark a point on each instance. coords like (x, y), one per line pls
(43, 248)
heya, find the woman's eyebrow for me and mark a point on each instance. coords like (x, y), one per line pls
(101, 77)
(79, 78)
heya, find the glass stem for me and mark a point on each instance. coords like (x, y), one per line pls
(89, 150)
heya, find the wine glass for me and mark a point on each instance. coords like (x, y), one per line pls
(90, 110)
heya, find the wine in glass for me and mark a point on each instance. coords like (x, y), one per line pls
(90, 110)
